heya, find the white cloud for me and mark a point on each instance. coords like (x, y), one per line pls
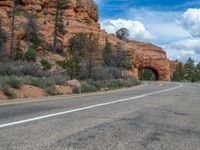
(176, 32)
(163, 24)
(183, 49)
(191, 21)
(137, 29)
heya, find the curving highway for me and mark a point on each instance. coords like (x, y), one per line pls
(153, 116)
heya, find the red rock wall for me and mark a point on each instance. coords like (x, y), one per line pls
(82, 16)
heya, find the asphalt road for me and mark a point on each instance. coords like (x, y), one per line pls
(154, 116)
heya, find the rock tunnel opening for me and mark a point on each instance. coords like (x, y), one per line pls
(148, 74)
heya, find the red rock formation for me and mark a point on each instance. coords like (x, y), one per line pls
(82, 16)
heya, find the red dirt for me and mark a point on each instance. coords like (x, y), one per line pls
(64, 89)
(2, 96)
(29, 91)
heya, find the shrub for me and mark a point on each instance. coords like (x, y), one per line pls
(30, 55)
(62, 64)
(52, 91)
(21, 12)
(42, 82)
(129, 81)
(8, 91)
(105, 73)
(87, 87)
(60, 79)
(93, 86)
(20, 68)
(76, 91)
(45, 64)
(14, 81)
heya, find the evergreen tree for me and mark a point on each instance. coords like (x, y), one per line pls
(198, 71)
(83, 45)
(59, 26)
(178, 74)
(123, 58)
(189, 70)
(2, 37)
(1, 41)
(107, 54)
(122, 34)
(73, 65)
(18, 51)
(12, 27)
(32, 31)
(3, 56)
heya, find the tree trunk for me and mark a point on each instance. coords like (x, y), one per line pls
(12, 29)
(56, 25)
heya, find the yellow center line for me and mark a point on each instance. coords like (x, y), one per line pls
(17, 102)
(48, 99)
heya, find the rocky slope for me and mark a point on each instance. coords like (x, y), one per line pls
(82, 16)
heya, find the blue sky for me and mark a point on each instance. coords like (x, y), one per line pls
(171, 24)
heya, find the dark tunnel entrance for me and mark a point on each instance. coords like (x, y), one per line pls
(148, 74)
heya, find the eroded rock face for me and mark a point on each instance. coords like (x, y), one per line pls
(82, 16)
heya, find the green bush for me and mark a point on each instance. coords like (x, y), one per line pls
(21, 68)
(42, 82)
(52, 91)
(15, 82)
(62, 64)
(93, 86)
(76, 91)
(8, 91)
(21, 12)
(87, 87)
(45, 64)
(12, 81)
(31, 55)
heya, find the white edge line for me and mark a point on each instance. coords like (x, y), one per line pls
(88, 107)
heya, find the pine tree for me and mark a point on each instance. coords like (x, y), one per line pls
(73, 65)
(123, 58)
(178, 74)
(122, 34)
(12, 27)
(107, 54)
(32, 31)
(1, 40)
(198, 71)
(18, 51)
(59, 27)
(189, 70)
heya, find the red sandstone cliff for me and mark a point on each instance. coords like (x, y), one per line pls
(82, 16)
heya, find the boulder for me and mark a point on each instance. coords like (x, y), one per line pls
(74, 83)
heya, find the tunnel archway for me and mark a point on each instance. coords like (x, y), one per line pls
(149, 73)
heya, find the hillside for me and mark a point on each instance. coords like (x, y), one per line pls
(78, 16)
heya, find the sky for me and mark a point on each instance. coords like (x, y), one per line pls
(173, 25)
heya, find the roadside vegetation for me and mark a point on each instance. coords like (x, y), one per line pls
(19, 63)
(21, 67)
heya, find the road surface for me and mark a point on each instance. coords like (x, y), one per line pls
(154, 116)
